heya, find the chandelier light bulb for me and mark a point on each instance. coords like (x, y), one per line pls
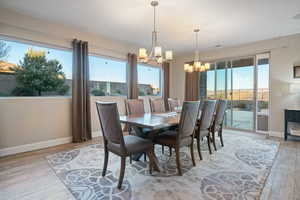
(142, 53)
(207, 66)
(169, 55)
(157, 51)
(186, 67)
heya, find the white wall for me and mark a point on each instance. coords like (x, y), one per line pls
(285, 53)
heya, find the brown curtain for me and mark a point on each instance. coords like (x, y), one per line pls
(166, 83)
(132, 79)
(81, 111)
(192, 87)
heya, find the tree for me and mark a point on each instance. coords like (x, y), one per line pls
(36, 74)
(4, 49)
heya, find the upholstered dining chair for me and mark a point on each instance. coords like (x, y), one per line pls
(115, 142)
(204, 124)
(157, 105)
(217, 125)
(184, 136)
(136, 106)
(173, 104)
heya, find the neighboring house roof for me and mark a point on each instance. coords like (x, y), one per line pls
(6, 67)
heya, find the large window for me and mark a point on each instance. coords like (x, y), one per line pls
(107, 77)
(149, 80)
(32, 70)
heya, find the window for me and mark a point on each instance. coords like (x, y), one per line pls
(149, 80)
(107, 77)
(33, 70)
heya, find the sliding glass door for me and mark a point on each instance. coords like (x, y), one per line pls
(243, 83)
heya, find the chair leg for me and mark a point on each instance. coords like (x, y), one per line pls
(162, 149)
(150, 162)
(170, 150)
(105, 162)
(192, 153)
(178, 161)
(214, 140)
(221, 137)
(145, 157)
(130, 159)
(122, 171)
(208, 144)
(198, 147)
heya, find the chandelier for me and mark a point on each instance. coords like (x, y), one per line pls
(196, 65)
(156, 54)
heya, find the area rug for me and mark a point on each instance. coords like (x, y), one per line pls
(236, 171)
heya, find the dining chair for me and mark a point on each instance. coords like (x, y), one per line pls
(217, 125)
(184, 136)
(173, 104)
(136, 106)
(157, 105)
(115, 142)
(204, 124)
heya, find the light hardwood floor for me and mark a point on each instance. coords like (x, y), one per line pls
(28, 175)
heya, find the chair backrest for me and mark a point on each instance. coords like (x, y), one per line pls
(173, 103)
(134, 106)
(188, 119)
(207, 113)
(110, 122)
(157, 105)
(220, 113)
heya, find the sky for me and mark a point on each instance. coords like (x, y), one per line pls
(101, 69)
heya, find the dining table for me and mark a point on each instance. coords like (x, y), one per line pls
(147, 125)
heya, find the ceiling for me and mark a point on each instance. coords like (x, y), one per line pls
(222, 22)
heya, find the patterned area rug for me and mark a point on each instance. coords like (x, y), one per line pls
(237, 171)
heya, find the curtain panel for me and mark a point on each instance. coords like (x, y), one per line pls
(81, 111)
(132, 76)
(166, 83)
(192, 86)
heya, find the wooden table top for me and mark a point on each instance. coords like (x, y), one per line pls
(152, 120)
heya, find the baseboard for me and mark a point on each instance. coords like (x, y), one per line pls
(39, 145)
(34, 146)
(96, 134)
(276, 134)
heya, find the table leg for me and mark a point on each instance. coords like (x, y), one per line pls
(153, 160)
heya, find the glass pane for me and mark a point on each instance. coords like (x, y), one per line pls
(33, 70)
(107, 77)
(242, 95)
(149, 80)
(210, 83)
(221, 80)
(262, 94)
